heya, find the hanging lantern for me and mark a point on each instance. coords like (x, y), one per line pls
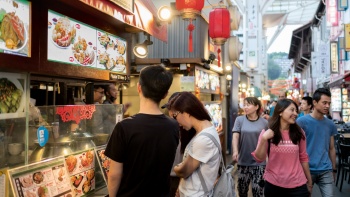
(189, 8)
(234, 48)
(219, 25)
(235, 17)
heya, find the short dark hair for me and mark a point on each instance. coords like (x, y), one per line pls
(295, 132)
(308, 99)
(254, 101)
(319, 92)
(155, 82)
(189, 103)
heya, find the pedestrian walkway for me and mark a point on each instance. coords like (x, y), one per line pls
(315, 192)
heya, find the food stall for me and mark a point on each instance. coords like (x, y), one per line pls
(52, 53)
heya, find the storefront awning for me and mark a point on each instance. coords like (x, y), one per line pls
(142, 19)
(339, 80)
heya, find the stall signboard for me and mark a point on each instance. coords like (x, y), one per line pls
(15, 32)
(12, 95)
(126, 4)
(73, 42)
(345, 105)
(347, 37)
(336, 99)
(206, 81)
(334, 57)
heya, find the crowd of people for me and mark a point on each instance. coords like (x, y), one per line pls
(154, 154)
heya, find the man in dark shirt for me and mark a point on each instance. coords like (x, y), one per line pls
(142, 147)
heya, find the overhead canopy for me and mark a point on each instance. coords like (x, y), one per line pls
(340, 80)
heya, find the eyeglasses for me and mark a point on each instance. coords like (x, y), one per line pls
(175, 114)
(101, 92)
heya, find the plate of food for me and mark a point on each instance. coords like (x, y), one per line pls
(105, 40)
(76, 180)
(87, 158)
(13, 34)
(26, 181)
(63, 33)
(38, 177)
(86, 186)
(43, 191)
(11, 97)
(71, 162)
(83, 53)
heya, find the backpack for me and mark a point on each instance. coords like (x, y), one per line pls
(224, 187)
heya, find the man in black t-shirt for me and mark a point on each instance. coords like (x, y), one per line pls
(142, 147)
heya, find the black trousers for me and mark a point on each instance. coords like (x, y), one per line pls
(271, 190)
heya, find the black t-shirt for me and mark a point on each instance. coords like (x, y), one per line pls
(146, 145)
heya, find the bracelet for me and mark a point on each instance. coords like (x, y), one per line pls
(335, 170)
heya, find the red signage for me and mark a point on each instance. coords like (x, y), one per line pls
(75, 113)
(332, 13)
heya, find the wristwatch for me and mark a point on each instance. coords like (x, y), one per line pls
(335, 170)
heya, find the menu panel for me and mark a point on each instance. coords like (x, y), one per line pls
(42, 179)
(15, 36)
(73, 42)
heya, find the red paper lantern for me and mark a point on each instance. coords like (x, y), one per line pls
(189, 8)
(219, 25)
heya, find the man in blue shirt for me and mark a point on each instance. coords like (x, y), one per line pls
(320, 133)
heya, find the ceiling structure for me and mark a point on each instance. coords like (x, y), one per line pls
(275, 12)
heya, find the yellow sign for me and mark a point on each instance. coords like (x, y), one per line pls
(347, 37)
(334, 57)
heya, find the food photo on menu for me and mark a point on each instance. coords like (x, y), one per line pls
(70, 41)
(81, 172)
(104, 162)
(111, 52)
(43, 182)
(14, 24)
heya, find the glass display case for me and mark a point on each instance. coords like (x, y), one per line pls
(59, 134)
(55, 131)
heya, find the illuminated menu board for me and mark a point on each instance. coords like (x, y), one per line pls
(73, 42)
(207, 81)
(15, 35)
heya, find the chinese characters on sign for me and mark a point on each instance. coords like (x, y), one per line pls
(334, 57)
(332, 13)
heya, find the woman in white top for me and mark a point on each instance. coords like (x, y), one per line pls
(201, 153)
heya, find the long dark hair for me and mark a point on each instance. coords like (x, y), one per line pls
(189, 103)
(295, 132)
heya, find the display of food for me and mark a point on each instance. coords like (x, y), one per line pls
(26, 181)
(104, 162)
(43, 191)
(121, 47)
(87, 158)
(12, 30)
(104, 40)
(111, 52)
(81, 52)
(86, 186)
(71, 162)
(38, 177)
(76, 180)
(10, 96)
(61, 173)
(63, 33)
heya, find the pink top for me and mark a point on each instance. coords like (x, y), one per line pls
(284, 168)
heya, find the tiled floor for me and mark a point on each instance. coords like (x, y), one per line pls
(315, 192)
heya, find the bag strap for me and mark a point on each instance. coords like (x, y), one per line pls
(201, 178)
(268, 147)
